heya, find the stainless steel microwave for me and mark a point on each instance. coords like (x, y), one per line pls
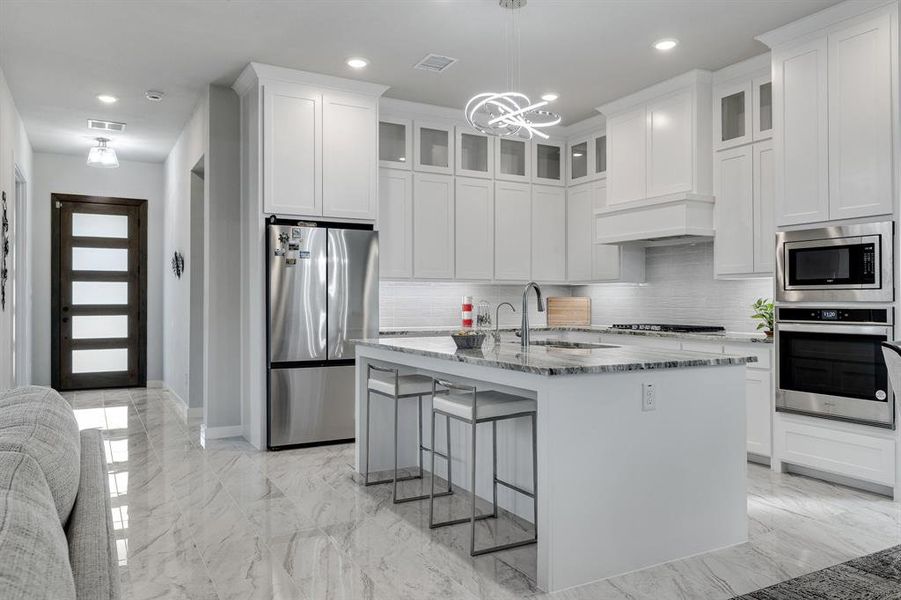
(847, 263)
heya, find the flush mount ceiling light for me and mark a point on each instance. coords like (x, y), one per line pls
(666, 44)
(107, 99)
(154, 95)
(357, 62)
(102, 155)
(507, 114)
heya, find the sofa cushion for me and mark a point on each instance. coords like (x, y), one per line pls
(40, 423)
(34, 558)
(92, 542)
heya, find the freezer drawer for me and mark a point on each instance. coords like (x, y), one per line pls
(311, 405)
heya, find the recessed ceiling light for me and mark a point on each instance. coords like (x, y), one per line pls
(107, 99)
(665, 45)
(550, 97)
(154, 95)
(357, 63)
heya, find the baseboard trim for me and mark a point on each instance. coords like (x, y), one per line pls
(215, 433)
(155, 384)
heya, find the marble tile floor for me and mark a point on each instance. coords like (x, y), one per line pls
(227, 522)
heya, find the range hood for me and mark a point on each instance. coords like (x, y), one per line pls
(683, 219)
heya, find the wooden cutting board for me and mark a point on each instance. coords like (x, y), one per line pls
(568, 311)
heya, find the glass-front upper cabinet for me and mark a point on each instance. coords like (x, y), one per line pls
(474, 153)
(763, 108)
(579, 160)
(547, 163)
(395, 143)
(732, 114)
(599, 164)
(512, 160)
(433, 148)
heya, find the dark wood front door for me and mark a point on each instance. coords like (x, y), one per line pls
(99, 280)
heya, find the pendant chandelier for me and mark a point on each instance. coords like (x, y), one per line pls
(511, 113)
(102, 155)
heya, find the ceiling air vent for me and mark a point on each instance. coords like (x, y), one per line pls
(435, 63)
(101, 125)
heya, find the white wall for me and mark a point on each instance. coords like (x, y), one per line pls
(15, 153)
(68, 174)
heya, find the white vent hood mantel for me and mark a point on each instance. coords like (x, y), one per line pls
(659, 164)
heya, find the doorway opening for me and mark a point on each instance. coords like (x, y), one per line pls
(196, 270)
(99, 295)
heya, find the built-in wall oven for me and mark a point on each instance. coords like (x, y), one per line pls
(847, 263)
(829, 363)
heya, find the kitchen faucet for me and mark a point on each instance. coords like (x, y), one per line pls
(525, 310)
(497, 320)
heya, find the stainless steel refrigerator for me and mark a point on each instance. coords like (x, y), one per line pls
(323, 288)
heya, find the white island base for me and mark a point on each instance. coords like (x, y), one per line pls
(619, 488)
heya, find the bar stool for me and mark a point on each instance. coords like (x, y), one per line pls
(465, 403)
(390, 383)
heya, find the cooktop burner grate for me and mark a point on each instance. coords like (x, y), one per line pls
(670, 328)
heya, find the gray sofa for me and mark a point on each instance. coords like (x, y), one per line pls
(56, 530)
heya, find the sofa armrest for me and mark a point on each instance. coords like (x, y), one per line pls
(92, 540)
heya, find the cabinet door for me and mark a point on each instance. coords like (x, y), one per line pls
(579, 232)
(764, 207)
(475, 157)
(513, 160)
(860, 120)
(433, 148)
(759, 412)
(732, 115)
(627, 141)
(433, 226)
(762, 88)
(292, 150)
(512, 231)
(349, 166)
(395, 143)
(474, 228)
(606, 259)
(395, 223)
(547, 162)
(670, 148)
(800, 124)
(599, 143)
(579, 160)
(733, 181)
(548, 233)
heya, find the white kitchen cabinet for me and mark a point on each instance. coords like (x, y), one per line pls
(764, 207)
(474, 228)
(759, 407)
(762, 113)
(292, 149)
(627, 141)
(670, 144)
(513, 160)
(800, 125)
(433, 226)
(733, 181)
(395, 223)
(860, 119)
(475, 156)
(579, 233)
(579, 160)
(512, 231)
(548, 233)
(599, 144)
(433, 148)
(395, 143)
(547, 162)
(349, 165)
(733, 122)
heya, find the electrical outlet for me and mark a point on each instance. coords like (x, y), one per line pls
(648, 396)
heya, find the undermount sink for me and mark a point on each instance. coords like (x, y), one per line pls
(564, 345)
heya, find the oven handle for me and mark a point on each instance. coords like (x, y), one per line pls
(885, 330)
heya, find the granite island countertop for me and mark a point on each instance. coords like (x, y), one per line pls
(726, 336)
(571, 359)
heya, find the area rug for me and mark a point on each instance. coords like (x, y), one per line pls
(873, 577)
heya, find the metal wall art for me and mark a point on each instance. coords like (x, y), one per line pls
(178, 264)
(4, 250)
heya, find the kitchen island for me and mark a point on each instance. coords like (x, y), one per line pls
(621, 485)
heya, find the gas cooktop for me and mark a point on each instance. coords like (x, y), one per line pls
(670, 328)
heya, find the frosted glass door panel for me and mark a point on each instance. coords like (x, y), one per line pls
(105, 360)
(474, 152)
(732, 115)
(433, 147)
(92, 327)
(600, 154)
(100, 292)
(765, 119)
(548, 165)
(578, 159)
(392, 142)
(104, 226)
(513, 158)
(99, 259)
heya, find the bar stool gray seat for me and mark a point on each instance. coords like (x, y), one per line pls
(467, 404)
(388, 382)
